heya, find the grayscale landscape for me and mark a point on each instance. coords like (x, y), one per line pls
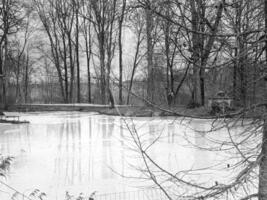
(133, 100)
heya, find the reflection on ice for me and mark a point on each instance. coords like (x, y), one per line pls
(83, 152)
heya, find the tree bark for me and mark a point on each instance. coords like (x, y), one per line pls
(235, 76)
(102, 67)
(77, 53)
(4, 66)
(66, 79)
(104, 13)
(263, 163)
(195, 53)
(2, 81)
(120, 51)
(17, 79)
(88, 48)
(51, 30)
(98, 11)
(71, 67)
(150, 67)
(110, 45)
(26, 83)
(169, 70)
(135, 63)
(201, 52)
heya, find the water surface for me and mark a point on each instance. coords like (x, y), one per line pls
(86, 152)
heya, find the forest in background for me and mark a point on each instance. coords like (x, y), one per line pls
(167, 52)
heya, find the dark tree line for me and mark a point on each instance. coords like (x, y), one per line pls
(181, 48)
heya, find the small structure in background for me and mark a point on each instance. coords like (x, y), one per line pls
(220, 103)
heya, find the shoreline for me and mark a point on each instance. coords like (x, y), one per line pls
(3, 121)
(132, 111)
(118, 110)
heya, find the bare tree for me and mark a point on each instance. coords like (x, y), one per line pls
(58, 21)
(251, 157)
(262, 191)
(87, 34)
(121, 19)
(150, 65)
(103, 16)
(76, 6)
(11, 17)
(21, 48)
(138, 28)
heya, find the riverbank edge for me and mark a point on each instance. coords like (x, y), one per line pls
(3, 121)
(128, 111)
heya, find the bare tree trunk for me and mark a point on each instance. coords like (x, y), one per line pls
(150, 67)
(195, 54)
(240, 53)
(202, 84)
(3, 42)
(110, 45)
(202, 13)
(181, 82)
(77, 53)
(88, 43)
(65, 66)
(51, 30)
(169, 71)
(241, 63)
(88, 48)
(60, 77)
(102, 67)
(135, 63)
(109, 60)
(201, 52)
(71, 68)
(26, 83)
(17, 79)
(88, 56)
(98, 10)
(120, 51)
(263, 163)
(235, 76)
(2, 81)
(104, 13)
(4, 65)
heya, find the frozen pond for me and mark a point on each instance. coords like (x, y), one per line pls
(85, 152)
